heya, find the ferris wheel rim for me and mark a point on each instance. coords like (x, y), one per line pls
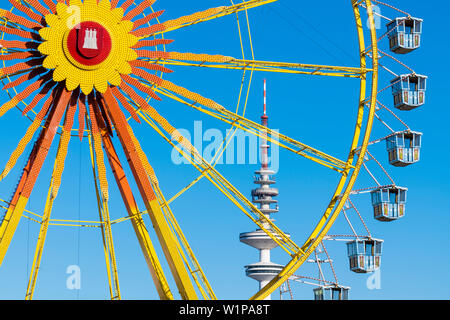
(338, 200)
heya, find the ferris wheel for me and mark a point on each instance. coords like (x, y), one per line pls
(109, 64)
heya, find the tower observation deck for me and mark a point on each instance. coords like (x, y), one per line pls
(263, 197)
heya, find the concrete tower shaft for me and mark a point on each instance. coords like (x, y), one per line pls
(264, 270)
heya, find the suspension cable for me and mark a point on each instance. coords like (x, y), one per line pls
(396, 60)
(360, 217)
(370, 173)
(331, 263)
(393, 113)
(382, 168)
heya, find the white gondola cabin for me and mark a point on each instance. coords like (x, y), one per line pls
(409, 91)
(364, 255)
(389, 203)
(331, 292)
(404, 148)
(404, 34)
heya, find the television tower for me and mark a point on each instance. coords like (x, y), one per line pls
(264, 270)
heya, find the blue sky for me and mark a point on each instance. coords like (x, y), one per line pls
(319, 111)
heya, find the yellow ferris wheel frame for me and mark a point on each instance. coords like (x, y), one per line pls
(349, 169)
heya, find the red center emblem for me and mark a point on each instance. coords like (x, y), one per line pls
(89, 43)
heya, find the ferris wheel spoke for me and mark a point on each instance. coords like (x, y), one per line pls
(96, 135)
(30, 74)
(64, 144)
(31, 173)
(26, 138)
(39, 7)
(127, 3)
(138, 10)
(225, 62)
(101, 188)
(51, 196)
(202, 16)
(213, 163)
(140, 22)
(51, 5)
(82, 112)
(134, 82)
(163, 231)
(184, 248)
(137, 221)
(19, 68)
(124, 102)
(40, 243)
(22, 55)
(27, 11)
(22, 95)
(20, 33)
(190, 259)
(149, 66)
(9, 16)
